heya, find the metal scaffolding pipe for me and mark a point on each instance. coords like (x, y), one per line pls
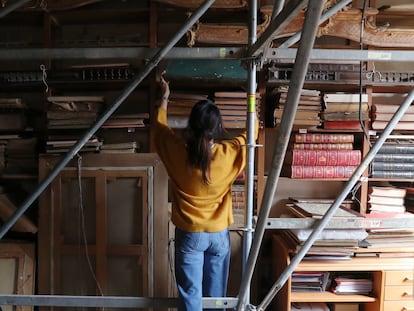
(251, 144)
(298, 77)
(128, 90)
(108, 301)
(11, 6)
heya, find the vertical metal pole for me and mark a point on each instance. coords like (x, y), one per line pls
(251, 117)
(310, 26)
(128, 90)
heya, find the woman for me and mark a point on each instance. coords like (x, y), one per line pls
(202, 168)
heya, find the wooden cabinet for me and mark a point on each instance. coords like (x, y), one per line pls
(103, 227)
(392, 280)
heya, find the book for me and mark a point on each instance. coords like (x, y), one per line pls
(387, 191)
(382, 116)
(392, 174)
(386, 208)
(392, 166)
(346, 107)
(389, 108)
(396, 149)
(393, 157)
(323, 138)
(345, 98)
(344, 115)
(323, 146)
(386, 200)
(323, 157)
(299, 115)
(342, 125)
(318, 210)
(380, 125)
(321, 171)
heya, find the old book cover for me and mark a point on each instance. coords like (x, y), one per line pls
(342, 125)
(392, 174)
(318, 210)
(345, 98)
(392, 166)
(346, 107)
(323, 146)
(391, 157)
(327, 171)
(344, 115)
(323, 138)
(387, 191)
(383, 116)
(323, 157)
(402, 125)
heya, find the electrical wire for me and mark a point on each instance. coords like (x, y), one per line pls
(83, 225)
(361, 64)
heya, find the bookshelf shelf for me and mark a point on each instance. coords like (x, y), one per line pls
(328, 297)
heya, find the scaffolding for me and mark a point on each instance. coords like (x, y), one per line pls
(257, 53)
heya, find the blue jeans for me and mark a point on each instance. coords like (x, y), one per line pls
(201, 266)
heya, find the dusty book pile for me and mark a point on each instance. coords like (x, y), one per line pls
(63, 143)
(233, 107)
(12, 114)
(331, 244)
(73, 112)
(321, 155)
(20, 154)
(342, 111)
(132, 120)
(386, 202)
(309, 107)
(384, 106)
(179, 108)
(395, 158)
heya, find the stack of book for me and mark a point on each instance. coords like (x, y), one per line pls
(233, 107)
(318, 156)
(134, 120)
(126, 147)
(384, 106)
(22, 156)
(344, 111)
(352, 283)
(62, 144)
(12, 114)
(179, 108)
(331, 244)
(386, 200)
(309, 107)
(309, 281)
(73, 112)
(395, 158)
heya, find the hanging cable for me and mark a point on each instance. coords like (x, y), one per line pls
(44, 77)
(361, 64)
(83, 225)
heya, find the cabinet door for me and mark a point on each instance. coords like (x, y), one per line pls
(96, 232)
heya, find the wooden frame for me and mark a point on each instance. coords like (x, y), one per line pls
(121, 250)
(19, 260)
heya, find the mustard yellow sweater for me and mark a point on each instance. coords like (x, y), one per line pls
(198, 207)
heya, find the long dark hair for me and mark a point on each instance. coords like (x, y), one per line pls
(204, 126)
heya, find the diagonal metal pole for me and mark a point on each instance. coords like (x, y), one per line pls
(10, 7)
(313, 14)
(108, 112)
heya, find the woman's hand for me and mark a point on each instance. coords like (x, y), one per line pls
(165, 87)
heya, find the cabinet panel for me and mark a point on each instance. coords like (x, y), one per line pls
(398, 305)
(97, 227)
(402, 277)
(398, 292)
